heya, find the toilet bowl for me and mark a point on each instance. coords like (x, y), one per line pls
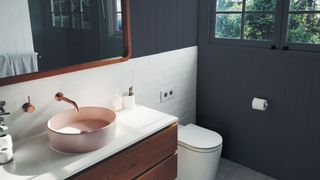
(199, 151)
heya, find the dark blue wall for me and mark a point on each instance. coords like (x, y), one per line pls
(283, 142)
(163, 25)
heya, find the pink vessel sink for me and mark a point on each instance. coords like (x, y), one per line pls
(76, 132)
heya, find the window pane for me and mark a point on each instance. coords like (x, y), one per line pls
(304, 28)
(229, 5)
(76, 14)
(259, 26)
(61, 10)
(118, 5)
(119, 22)
(304, 5)
(228, 26)
(65, 4)
(57, 13)
(263, 5)
(86, 14)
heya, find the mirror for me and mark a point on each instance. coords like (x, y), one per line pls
(41, 38)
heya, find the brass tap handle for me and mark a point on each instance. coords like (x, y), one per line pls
(59, 96)
(28, 107)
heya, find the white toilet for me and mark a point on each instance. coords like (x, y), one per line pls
(199, 151)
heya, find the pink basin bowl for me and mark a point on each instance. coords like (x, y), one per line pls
(77, 132)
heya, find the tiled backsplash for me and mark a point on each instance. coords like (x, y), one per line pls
(95, 87)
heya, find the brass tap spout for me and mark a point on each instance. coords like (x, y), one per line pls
(59, 97)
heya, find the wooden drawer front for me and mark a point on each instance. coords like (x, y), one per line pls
(136, 159)
(166, 170)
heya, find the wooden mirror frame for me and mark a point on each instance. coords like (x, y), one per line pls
(126, 56)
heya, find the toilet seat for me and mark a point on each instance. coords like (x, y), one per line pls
(199, 150)
(199, 139)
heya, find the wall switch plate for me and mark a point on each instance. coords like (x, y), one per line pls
(167, 94)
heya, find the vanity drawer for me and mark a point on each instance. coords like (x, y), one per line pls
(165, 170)
(136, 159)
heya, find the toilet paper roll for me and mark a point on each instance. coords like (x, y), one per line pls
(5, 141)
(259, 104)
(6, 154)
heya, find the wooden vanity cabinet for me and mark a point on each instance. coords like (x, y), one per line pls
(153, 158)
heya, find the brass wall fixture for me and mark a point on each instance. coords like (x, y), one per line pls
(28, 107)
(60, 97)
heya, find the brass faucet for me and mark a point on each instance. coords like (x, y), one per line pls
(59, 97)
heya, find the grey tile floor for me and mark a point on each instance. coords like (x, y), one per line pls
(229, 170)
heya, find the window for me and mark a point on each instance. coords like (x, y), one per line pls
(304, 22)
(245, 19)
(112, 9)
(118, 17)
(283, 24)
(70, 13)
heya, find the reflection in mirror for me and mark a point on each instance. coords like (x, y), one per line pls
(42, 35)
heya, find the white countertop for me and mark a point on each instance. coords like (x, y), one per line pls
(33, 158)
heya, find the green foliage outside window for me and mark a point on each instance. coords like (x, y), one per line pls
(228, 26)
(263, 5)
(259, 20)
(229, 5)
(259, 26)
(304, 27)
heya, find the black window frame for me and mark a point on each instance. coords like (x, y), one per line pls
(71, 14)
(281, 15)
(284, 31)
(117, 31)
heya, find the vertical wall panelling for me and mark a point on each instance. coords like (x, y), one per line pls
(313, 129)
(164, 25)
(282, 142)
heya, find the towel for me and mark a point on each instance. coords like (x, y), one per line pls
(5, 66)
(24, 63)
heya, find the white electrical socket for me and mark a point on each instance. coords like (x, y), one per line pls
(167, 94)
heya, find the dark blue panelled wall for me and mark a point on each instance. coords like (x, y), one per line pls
(283, 142)
(163, 25)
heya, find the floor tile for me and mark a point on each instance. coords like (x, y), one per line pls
(229, 170)
(225, 167)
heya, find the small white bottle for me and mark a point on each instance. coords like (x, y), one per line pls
(117, 101)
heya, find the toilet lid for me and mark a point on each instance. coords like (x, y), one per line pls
(199, 137)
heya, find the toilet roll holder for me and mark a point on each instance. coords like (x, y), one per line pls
(260, 104)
